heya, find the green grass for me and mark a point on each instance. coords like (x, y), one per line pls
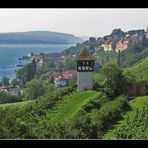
(69, 106)
(135, 104)
(140, 70)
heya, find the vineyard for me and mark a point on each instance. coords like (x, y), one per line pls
(140, 70)
(69, 106)
(133, 124)
(135, 127)
(67, 114)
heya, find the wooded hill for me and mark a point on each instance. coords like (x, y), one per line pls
(38, 37)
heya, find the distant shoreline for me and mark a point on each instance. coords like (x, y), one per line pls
(11, 52)
(37, 44)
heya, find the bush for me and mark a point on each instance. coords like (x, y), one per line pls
(8, 98)
(36, 88)
(135, 127)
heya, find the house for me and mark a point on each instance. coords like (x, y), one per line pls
(61, 79)
(123, 44)
(139, 89)
(107, 46)
(10, 90)
(3, 89)
(40, 59)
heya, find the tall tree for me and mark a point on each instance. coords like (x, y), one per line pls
(5, 81)
(115, 81)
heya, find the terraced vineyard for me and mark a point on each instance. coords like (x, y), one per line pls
(140, 70)
(137, 103)
(69, 106)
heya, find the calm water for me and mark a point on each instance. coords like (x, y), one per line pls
(9, 55)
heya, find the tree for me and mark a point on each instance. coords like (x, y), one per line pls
(34, 67)
(115, 81)
(69, 64)
(35, 88)
(8, 98)
(26, 74)
(5, 81)
(14, 82)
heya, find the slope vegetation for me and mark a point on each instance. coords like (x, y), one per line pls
(69, 106)
(140, 70)
(136, 104)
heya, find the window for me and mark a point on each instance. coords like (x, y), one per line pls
(83, 67)
(79, 68)
(87, 67)
(83, 62)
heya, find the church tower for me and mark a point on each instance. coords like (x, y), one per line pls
(85, 68)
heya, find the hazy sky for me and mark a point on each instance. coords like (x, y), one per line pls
(80, 22)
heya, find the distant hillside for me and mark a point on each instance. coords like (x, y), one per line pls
(140, 70)
(38, 37)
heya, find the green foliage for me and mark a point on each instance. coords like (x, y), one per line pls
(69, 64)
(74, 50)
(135, 104)
(8, 98)
(115, 82)
(22, 120)
(139, 70)
(92, 124)
(26, 74)
(14, 82)
(43, 69)
(130, 56)
(109, 113)
(106, 56)
(96, 102)
(69, 106)
(5, 81)
(98, 80)
(135, 127)
(36, 88)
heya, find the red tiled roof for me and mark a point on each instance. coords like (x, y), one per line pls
(67, 75)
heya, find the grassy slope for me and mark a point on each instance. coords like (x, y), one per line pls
(69, 106)
(135, 104)
(65, 109)
(140, 70)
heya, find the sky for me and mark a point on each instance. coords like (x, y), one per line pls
(80, 22)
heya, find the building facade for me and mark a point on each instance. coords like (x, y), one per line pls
(123, 44)
(85, 68)
(108, 46)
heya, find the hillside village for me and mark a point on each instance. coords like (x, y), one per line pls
(113, 43)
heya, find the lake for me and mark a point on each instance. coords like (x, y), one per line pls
(9, 55)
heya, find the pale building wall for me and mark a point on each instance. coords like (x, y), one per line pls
(84, 80)
(107, 47)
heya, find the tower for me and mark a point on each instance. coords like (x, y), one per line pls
(85, 68)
